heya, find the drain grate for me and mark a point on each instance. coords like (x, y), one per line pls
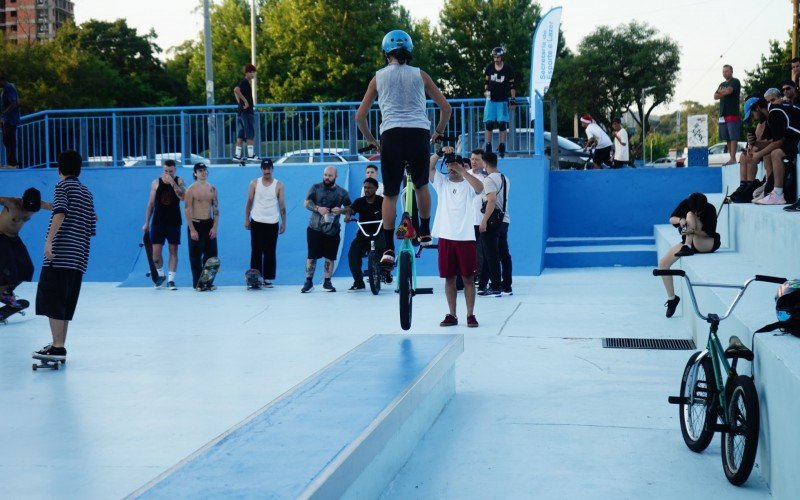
(663, 344)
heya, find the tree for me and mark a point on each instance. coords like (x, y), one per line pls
(469, 31)
(773, 69)
(617, 70)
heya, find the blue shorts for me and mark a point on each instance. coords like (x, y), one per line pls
(245, 126)
(730, 131)
(172, 234)
(495, 112)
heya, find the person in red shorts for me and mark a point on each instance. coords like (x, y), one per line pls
(454, 227)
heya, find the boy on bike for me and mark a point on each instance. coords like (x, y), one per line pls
(405, 133)
(368, 208)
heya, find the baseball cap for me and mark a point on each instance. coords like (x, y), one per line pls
(266, 163)
(32, 200)
(750, 103)
(200, 166)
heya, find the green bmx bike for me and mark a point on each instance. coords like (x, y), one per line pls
(714, 397)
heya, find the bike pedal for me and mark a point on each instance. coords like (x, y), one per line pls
(423, 291)
(678, 400)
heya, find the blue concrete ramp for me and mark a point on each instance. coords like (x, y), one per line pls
(322, 438)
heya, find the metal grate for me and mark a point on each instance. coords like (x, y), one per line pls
(663, 344)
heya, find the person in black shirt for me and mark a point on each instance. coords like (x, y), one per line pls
(783, 121)
(245, 114)
(696, 219)
(498, 86)
(368, 208)
(164, 205)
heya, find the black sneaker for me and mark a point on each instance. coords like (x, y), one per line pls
(507, 291)
(685, 251)
(489, 292)
(671, 305)
(794, 207)
(357, 286)
(307, 286)
(160, 281)
(488, 147)
(328, 286)
(171, 285)
(51, 353)
(501, 150)
(268, 284)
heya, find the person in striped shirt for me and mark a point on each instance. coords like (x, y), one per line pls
(66, 253)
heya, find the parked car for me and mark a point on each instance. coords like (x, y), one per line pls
(141, 161)
(718, 154)
(570, 155)
(663, 162)
(327, 155)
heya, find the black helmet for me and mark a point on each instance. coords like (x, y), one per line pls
(498, 51)
(787, 301)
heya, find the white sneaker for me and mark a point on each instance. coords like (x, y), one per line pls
(772, 199)
(759, 196)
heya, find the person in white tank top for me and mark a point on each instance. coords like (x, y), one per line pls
(265, 218)
(401, 92)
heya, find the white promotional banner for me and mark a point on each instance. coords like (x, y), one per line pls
(697, 131)
(543, 52)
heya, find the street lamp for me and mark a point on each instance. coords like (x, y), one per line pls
(644, 127)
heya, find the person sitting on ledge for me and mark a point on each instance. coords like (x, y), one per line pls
(696, 219)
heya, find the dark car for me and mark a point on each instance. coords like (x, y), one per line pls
(520, 143)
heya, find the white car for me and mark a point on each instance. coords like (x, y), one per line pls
(718, 154)
(664, 162)
(141, 161)
(329, 155)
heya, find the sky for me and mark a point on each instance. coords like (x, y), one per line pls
(710, 32)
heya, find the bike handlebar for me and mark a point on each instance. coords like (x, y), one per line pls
(669, 272)
(770, 279)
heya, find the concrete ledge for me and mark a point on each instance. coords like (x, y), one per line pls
(765, 240)
(343, 432)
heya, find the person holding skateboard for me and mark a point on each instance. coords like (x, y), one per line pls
(73, 223)
(245, 115)
(264, 209)
(164, 205)
(15, 262)
(201, 207)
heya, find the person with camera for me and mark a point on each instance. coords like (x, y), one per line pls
(494, 232)
(696, 219)
(453, 226)
(498, 88)
(405, 132)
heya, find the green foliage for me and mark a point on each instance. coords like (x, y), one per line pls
(614, 69)
(773, 69)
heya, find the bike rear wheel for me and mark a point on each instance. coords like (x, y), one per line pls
(406, 289)
(697, 417)
(740, 442)
(374, 273)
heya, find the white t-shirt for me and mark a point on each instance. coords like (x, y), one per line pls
(455, 214)
(621, 153)
(594, 130)
(494, 184)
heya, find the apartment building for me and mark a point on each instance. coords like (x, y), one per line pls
(28, 21)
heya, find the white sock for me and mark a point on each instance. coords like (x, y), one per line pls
(778, 191)
(250, 151)
(238, 151)
(171, 276)
(160, 271)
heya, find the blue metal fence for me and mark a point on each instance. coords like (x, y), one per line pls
(146, 136)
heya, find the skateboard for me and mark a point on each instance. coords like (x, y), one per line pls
(148, 250)
(206, 281)
(46, 363)
(253, 279)
(8, 311)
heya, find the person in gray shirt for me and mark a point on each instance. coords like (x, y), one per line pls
(327, 202)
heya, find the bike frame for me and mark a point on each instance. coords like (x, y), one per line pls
(405, 244)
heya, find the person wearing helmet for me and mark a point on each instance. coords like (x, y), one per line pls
(404, 130)
(500, 95)
(15, 261)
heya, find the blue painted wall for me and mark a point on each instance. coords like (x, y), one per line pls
(625, 202)
(121, 197)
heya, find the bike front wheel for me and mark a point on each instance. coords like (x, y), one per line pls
(373, 273)
(406, 289)
(740, 442)
(698, 416)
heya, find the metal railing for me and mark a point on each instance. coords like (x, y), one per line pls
(146, 136)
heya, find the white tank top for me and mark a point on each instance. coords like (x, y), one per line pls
(265, 203)
(401, 97)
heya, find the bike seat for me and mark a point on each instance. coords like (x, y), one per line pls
(738, 350)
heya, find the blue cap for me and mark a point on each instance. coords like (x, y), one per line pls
(748, 105)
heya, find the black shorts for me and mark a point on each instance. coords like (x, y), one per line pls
(401, 145)
(245, 126)
(789, 148)
(602, 156)
(159, 234)
(58, 291)
(15, 262)
(320, 245)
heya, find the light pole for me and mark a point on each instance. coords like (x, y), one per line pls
(644, 128)
(253, 44)
(212, 126)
